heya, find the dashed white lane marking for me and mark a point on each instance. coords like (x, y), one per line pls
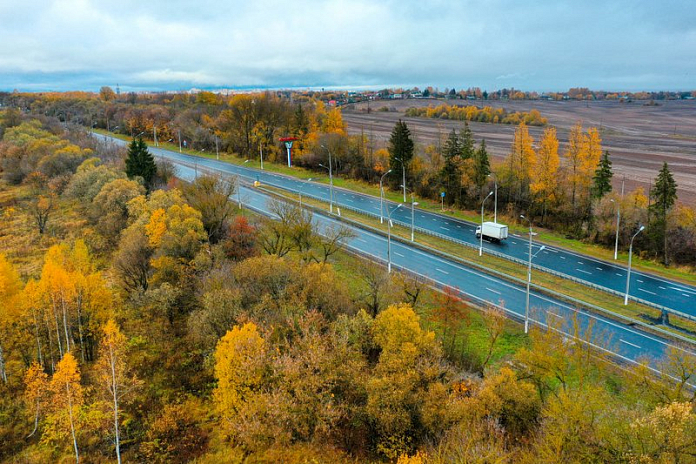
(444, 272)
(647, 291)
(562, 257)
(551, 313)
(684, 294)
(434, 220)
(444, 228)
(362, 240)
(580, 262)
(640, 281)
(494, 291)
(584, 272)
(514, 242)
(458, 226)
(399, 254)
(598, 268)
(620, 275)
(629, 343)
(661, 288)
(350, 200)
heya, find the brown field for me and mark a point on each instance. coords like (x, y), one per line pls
(639, 137)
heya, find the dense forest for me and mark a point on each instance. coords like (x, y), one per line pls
(147, 320)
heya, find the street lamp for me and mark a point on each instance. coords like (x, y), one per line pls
(381, 196)
(331, 195)
(481, 234)
(630, 255)
(413, 215)
(239, 188)
(389, 226)
(302, 184)
(403, 175)
(330, 178)
(495, 200)
(618, 221)
(138, 135)
(529, 273)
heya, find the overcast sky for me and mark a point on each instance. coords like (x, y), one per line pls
(176, 44)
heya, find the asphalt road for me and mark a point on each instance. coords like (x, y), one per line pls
(621, 341)
(650, 289)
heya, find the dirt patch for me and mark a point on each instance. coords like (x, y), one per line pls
(639, 137)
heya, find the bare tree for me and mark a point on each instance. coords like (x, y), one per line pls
(333, 239)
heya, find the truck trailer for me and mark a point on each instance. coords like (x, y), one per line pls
(492, 231)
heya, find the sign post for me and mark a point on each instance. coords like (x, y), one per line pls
(288, 145)
(442, 198)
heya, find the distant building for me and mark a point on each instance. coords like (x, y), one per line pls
(396, 96)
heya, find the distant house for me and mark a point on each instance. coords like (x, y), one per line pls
(396, 96)
(471, 97)
(417, 94)
(546, 97)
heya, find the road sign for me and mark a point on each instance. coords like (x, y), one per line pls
(442, 194)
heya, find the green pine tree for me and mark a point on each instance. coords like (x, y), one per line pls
(400, 151)
(482, 166)
(664, 195)
(467, 141)
(451, 169)
(602, 178)
(140, 163)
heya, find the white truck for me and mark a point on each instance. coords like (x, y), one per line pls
(492, 231)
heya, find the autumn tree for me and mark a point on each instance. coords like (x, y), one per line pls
(520, 163)
(10, 286)
(211, 196)
(41, 209)
(67, 398)
(113, 374)
(544, 176)
(36, 388)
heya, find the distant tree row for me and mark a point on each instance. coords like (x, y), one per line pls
(474, 113)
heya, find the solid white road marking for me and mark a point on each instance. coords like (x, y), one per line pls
(629, 343)
(647, 291)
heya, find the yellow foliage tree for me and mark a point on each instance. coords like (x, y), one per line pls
(67, 398)
(36, 387)
(521, 161)
(10, 286)
(239, 368)
(333, 123)
(544, 175)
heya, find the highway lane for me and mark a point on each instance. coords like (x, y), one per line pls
(648, 288)
(619, 340)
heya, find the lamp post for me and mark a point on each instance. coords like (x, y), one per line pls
(413, 215)
(138, 135)
(330, 168)
(261, 154)
(495, 200)
(403, 175)
(481, 234)
(618, 221)
(529, 274)
(630, 255)
(389, 226)
(302, 184)
(381, 197)
(239, 187)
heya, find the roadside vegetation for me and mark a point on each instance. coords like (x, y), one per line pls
(143, 320)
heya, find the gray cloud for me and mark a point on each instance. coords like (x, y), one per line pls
(549, 45)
